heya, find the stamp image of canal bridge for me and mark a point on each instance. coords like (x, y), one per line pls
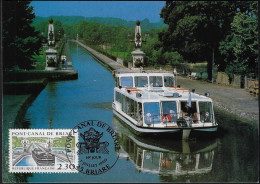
(42, 153)
(29, 149)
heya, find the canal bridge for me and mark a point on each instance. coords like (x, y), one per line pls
(58, 155)
(20, 155)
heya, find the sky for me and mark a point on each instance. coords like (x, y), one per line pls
(127, 10)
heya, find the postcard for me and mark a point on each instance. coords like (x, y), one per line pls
(130, 91)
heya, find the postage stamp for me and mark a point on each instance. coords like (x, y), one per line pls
(42, 150)
(98, 147)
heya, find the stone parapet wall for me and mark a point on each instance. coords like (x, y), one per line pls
(222, 78)
(236, 81)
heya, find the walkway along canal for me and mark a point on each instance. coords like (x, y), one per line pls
(233, 156)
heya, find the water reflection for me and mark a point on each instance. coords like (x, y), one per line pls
(166, 157)
(51, 109)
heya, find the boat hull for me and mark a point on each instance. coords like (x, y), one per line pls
(183, 133)
(43, 162)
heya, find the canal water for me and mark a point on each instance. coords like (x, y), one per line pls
(231, 157)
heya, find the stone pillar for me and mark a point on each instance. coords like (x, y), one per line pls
(246, 82)
(51, 59)
(51, 54)
(51, 35)
(138, 55)
(25, 145)
(138, 58)
(49, 145)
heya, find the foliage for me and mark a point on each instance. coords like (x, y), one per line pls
(196, 27)
(241, 45)
(20, 40)
(110, 40)
(63, 19)
(61, 142)
(68, 20)
(115, 42)
(111, 36)
(42, 26)
(152, 56)
(40, 60)
(58, 29)
(190, 32)
(17, 142)
(172, 58)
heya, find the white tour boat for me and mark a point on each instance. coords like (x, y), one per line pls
(150, 103)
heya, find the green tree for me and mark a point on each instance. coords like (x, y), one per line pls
(58, 29)
(20, 40)
(172, 58)
(196, 28)
(153, 50)
(42, 27)
(241, 46)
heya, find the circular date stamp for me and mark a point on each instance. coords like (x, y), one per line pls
(97, 147)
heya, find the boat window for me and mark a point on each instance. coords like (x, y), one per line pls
(118, 97)
(141, 81)
(188, 111)
(123, 103)
(155, 81)
(129, 107)
(170, 108)
(138, 111)
(152, 112)
(206, 159)
(188, 163)
(126, 82)
(117, 81)
(206, 112)
(151, 160)
(168, 81)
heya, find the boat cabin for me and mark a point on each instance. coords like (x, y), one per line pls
(153, 100)
(142, 80)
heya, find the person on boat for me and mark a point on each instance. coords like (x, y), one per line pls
(189, 111)
(149, 117)
(139, 115)
(173, 115)
(185, 112)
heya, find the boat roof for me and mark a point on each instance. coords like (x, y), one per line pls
(154, 94)
(144, 74)
(162, 94)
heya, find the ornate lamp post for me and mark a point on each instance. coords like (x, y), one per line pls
(25, 143)
(138, 55)
(51, 54)
(49, 145)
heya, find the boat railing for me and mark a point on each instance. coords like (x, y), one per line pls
(188, 119)
(159, 118)
(180, 119)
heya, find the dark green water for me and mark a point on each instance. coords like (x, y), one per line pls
(231, 157)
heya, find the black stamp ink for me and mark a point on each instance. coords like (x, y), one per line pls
(97, 147)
